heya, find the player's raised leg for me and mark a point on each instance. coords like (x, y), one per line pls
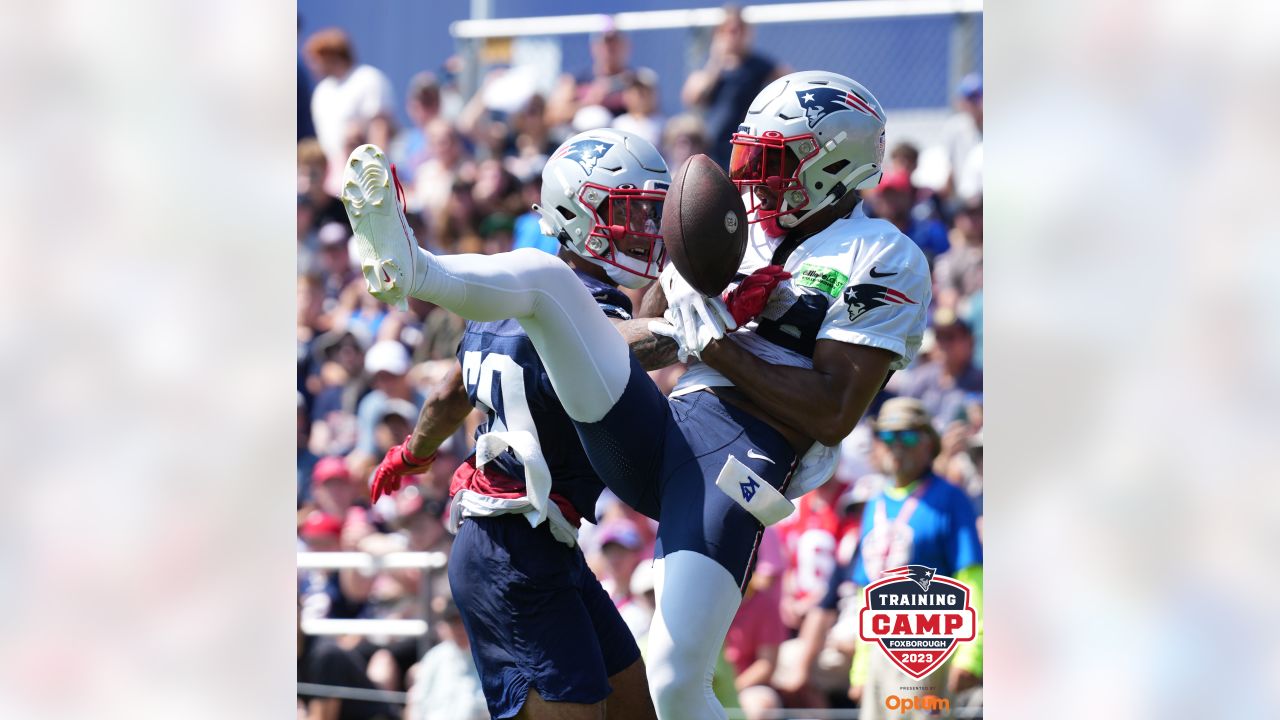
(586, 359)
(386, 247)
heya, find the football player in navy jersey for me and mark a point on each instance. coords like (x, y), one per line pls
(830, 302)
(547, 640)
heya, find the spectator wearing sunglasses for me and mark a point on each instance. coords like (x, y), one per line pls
(917, 519)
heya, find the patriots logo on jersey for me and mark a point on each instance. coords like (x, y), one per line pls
(586, 153)
(749, 488)
(866, 297)
(820, 102)
(919, 574)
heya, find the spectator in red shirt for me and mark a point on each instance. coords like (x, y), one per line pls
(811, 537)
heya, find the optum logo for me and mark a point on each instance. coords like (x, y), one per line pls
(905, 705)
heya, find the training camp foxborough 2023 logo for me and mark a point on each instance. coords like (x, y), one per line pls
(586, 153)
(917, 617)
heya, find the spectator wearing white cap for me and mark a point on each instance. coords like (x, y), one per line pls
(387, 366)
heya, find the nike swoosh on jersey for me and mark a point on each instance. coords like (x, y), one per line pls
(757, 456)
(875, 274)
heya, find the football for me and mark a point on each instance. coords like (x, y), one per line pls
(704, 225)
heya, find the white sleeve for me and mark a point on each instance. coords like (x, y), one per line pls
(885, 303)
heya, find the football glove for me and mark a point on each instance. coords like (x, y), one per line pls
(748, 300)
(693, 331)
(696, 318)
(398, 463)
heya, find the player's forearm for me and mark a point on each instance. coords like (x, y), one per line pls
(653, 304)
(441, 416)
(653, 351)
(816, 403)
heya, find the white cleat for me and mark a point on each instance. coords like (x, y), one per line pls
(374, 200)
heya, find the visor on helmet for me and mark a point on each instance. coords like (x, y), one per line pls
(773, 162)
(626, 227)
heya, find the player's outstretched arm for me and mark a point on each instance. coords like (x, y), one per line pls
(653, 351)
(441, 416)
(824, 403)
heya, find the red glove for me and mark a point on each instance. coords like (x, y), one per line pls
(398, 463)
(747, 300)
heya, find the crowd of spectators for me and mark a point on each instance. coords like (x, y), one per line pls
(471, 169)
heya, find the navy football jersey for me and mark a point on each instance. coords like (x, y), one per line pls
(505, 377)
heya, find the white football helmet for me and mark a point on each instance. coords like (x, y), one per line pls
(810, 137)
(602, 195)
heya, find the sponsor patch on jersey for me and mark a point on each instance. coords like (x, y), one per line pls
(823, 279)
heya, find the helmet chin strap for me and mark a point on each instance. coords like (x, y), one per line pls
(830, 198)
(838, 191)
(623, 276)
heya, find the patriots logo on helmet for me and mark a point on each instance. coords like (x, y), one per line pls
(863, 298)
(820, 102)
(918, 574)
(586, 153)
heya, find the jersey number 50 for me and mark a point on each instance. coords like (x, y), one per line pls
(510, 409)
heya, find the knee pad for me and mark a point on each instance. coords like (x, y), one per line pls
(542, 269)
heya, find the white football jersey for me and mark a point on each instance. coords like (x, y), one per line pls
(859, 281)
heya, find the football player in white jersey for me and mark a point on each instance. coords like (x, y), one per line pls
(857, 286)
(756, 420)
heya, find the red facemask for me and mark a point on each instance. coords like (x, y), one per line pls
(768, 166)
(629, 220)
